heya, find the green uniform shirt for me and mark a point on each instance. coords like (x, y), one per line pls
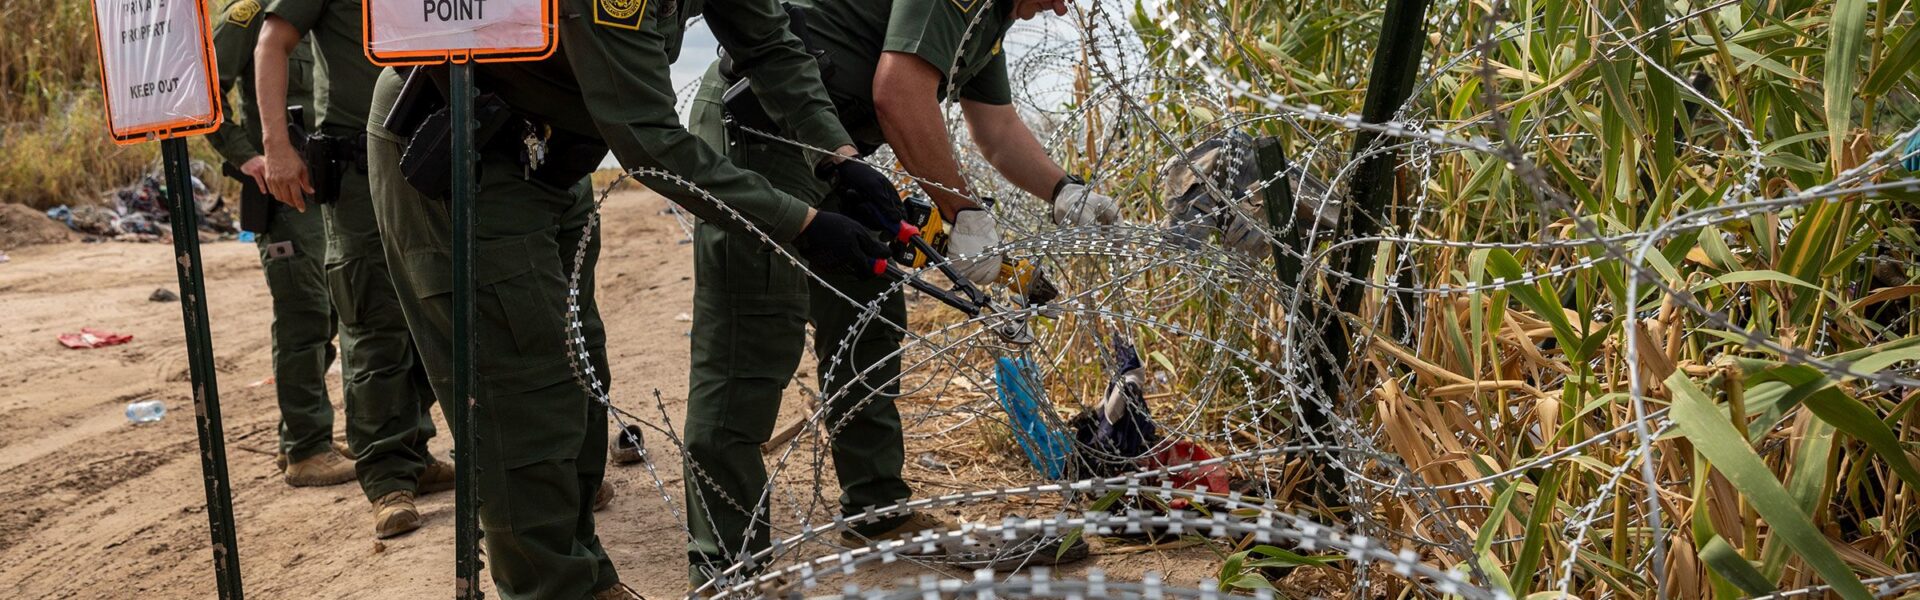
(960, 38)
(343, 77)
(609, 80)
(234, 33)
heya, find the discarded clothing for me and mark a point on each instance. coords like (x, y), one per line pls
(1117, 433)
(1210, 190)
(138, 212)
(93, 338)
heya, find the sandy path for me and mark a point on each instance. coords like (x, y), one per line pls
(93, 507)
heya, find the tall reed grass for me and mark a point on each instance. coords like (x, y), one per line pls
(1775, 476)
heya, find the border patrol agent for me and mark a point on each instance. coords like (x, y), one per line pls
(887, 72)
(542, 439)
(291, 249)
(388, 396)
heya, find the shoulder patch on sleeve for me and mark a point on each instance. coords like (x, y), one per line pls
(965, 6)
(624, 14)
(243, 12)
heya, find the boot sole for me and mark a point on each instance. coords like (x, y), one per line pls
(318, 481)
(399, 529)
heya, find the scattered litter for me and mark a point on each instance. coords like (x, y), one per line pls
(932, 463)
(1119, 435)
(93, 338)
(245, 237)
(1912, 161)
(379, 546)
(683, 318)
(163, 295)
(1119, 432)
(138, 212)
(4, 258)
(146, 411)
(1021, 396)
(267, 381)
(1212, 478)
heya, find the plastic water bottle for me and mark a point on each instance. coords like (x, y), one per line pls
(146, 411)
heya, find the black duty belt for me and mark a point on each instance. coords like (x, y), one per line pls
(543, 153)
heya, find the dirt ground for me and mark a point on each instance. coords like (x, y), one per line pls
(93, 507)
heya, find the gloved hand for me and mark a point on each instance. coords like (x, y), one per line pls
(866, 196)
(974, 231)
(834, 242)
(1076, 205)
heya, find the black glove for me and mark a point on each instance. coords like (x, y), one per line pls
(833, 241)
(867, 196)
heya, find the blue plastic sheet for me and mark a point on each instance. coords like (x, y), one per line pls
(1021, 395)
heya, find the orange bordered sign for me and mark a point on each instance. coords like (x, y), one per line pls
(416, 32)
(156, 68)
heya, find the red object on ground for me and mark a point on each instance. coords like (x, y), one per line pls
(1213, 477)
(93, 338)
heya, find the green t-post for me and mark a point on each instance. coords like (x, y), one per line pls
(466, 500)
(184, 218)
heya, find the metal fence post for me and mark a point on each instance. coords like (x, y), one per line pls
(466, 532)
(184, 216)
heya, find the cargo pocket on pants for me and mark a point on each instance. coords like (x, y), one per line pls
(347, 285)
(525, 371)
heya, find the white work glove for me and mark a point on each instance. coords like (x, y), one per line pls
(974, 231)
(1077, 206)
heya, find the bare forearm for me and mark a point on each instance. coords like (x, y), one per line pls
(919, 139)
(277, 39)
(909, 114)
(1012, 149)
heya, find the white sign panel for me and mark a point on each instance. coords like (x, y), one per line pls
(423, 31)
(157, 67)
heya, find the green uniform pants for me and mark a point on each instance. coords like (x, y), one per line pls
(303, 329)
(387, 393)
(543, 441)
(751, 307)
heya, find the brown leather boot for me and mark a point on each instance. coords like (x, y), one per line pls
(438, 477)
(915, 523)
(280, 458)
(325, 468)
(394, 514)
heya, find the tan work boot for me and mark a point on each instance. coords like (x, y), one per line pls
(438, 477)
(325, 468)
(603, 497)
(915, 523)
(394, 514)
(280, 458)
(619, 591)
